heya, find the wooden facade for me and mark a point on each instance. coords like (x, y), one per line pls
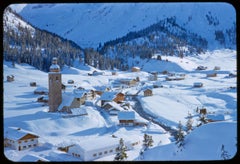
(136, 69)
(148, 92)
(20, 140)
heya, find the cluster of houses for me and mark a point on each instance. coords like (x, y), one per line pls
(73, 97)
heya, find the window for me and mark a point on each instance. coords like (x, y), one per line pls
(100, 153)
(32, 139)
(111, 151)
(95, 155)
(24, 147)
(105, 152)
(19, 142)
(29, 145)
(34, 144)
(25, 140)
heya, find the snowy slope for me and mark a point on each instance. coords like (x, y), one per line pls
(204, 143)
(169, 104)
(78, 22)
(13, 22)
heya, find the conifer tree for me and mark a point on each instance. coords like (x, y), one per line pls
(147, 142)
(180, 136)
(202, 119)
(224, 153)
(189, 123)
(121, 151)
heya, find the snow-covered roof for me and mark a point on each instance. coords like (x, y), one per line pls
(79, 93)
(100, 88)
(108, 96)
(41, 89)
(14, 133)
(99, 143)
(126, 115)
(78, 111)
(114, 105)
(67, 99)
(216, 117)
(54, 66)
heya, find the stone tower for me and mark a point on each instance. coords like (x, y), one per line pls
(54, 86)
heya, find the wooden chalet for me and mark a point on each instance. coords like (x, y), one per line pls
(10, 78)
(99, 90)
(148, 92)
(126, 118)
(129, 82)
(198, 84)
(113, 108)
(136, 69)
(72, 100)
(117, 97)
(20, 139)
(212, 74)
(41, 91)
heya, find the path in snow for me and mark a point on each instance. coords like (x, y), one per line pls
(139, 109)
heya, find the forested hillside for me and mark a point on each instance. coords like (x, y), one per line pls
(23, 43)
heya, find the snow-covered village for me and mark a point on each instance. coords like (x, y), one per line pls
(69, 102)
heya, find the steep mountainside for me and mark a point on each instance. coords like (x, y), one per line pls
(24, 43)
(91, 24)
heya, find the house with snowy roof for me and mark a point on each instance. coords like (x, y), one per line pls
(72, 100)
(126, 118)
(117, 97)
(147, 92)
(41, 90)
(20, 139)
(136, 69)
(99, 90)
(103, 146)
(112, 108)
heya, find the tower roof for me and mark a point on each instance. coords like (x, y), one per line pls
(54, 67)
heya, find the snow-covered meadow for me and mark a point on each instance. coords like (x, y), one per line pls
(170, 104)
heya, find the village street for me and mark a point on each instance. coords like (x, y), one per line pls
(139, 109)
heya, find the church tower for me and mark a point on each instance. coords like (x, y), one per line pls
(54, 86)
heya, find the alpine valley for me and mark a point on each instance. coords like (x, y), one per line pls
(137, 82)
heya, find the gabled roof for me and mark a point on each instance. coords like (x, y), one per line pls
(109, 96)
(67, 99)
(78, 93)
(126, 115)
(18, 134)
(113, 105)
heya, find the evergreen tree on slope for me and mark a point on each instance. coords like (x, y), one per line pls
(121, 151)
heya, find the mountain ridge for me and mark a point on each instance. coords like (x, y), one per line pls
(114, 20)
